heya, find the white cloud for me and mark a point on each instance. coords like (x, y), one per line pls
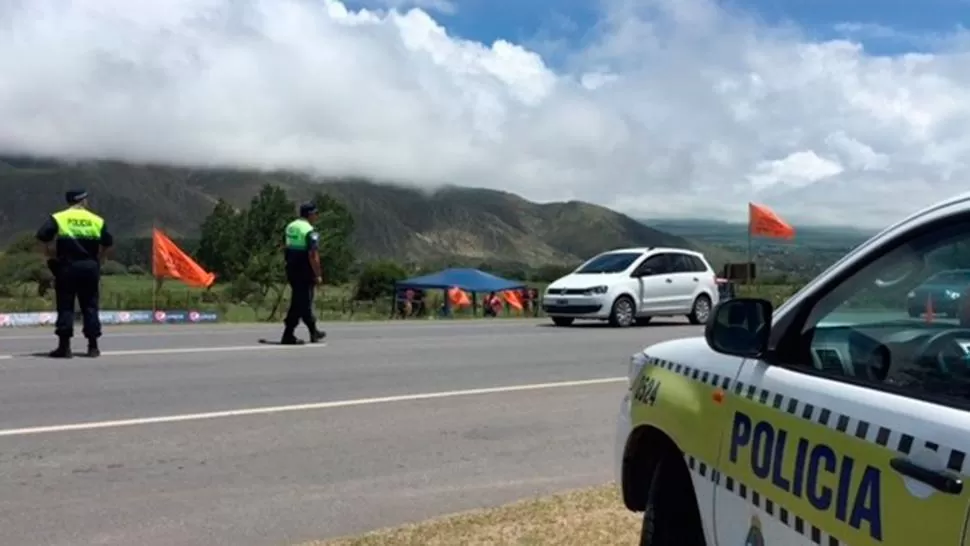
(674, 107)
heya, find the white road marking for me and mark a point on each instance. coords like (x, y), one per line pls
(154, 331)
(184, 350)
(158, 330)
(302, 407)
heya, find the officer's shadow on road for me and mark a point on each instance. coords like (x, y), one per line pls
(597, 324)
(46, 355)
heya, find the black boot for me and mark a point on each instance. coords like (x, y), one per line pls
(93, 350)
(289, 338)
(316, 336)
(63, 349)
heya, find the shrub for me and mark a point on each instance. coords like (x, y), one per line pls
(377, 280)
(112, 267)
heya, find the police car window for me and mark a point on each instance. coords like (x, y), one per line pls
(902, 321)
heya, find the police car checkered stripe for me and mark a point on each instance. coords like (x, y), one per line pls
(761, 502)
(846, 424)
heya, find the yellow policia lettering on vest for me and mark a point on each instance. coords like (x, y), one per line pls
(831, 482)
(296, 234)
(78, 224)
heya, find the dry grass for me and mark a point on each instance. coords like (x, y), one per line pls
(589, 517)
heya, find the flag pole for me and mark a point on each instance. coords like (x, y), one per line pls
(747, 266)
(154, 280)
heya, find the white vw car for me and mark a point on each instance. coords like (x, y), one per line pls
(632, 285)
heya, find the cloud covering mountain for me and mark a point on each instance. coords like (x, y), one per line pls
(664, 108)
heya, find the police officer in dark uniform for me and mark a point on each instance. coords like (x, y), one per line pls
(80, 239)
(303, 274)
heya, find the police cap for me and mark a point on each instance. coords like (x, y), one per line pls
(75, 196)
(306, 209)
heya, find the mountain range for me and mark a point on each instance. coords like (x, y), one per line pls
(392, 221)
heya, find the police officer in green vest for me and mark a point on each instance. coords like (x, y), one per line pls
(303, 273)
(80, 239)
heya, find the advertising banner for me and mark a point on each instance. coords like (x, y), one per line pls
(14, 320)
(185, 317)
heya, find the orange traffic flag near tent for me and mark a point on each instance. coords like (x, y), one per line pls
(458, 297)
(512, 298)
(171, 262)
(763, 222)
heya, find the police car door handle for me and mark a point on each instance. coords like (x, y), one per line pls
(940, 480)
(670, 280)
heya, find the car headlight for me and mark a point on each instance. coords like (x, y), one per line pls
(637, 362)
(597, 290)
(911, 295)
(952, 294)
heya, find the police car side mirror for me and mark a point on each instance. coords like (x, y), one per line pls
(740, 327)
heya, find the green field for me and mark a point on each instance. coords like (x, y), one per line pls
(135, 292)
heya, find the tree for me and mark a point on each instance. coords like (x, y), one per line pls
(221, 246)
(261, 250)
(22, 264)
(336, 227)
(377, 280)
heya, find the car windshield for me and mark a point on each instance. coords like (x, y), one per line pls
(613, 262)
(960, 276)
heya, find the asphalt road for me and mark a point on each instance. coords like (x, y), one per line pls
(197, 435)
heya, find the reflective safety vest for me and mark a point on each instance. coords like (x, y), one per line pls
(78, 223)
(296, 234)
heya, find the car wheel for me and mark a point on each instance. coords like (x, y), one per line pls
(701, 311)
(623, 313)
(671, 517)
(563, 321)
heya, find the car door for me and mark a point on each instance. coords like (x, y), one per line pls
(855, 428)
(686, 281)
(655, 284)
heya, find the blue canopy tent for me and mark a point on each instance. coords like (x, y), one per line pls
(469, 280)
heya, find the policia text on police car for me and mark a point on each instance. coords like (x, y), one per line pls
(302, 251)
(75, 240)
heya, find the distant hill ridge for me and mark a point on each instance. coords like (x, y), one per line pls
(393, 222)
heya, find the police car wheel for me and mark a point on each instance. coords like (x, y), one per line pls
(671, 517)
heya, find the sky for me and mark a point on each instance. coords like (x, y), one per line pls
(832, 112)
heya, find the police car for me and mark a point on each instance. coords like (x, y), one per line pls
(835, 419)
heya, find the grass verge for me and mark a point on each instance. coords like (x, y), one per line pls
(587, 517)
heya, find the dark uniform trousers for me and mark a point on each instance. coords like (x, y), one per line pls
(78, 281)
(301, 304)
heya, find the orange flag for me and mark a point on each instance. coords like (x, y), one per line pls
(763, 222)
(171, 262)
(512, 298)
(458, 297)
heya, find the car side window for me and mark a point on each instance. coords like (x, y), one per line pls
(656, 264)
(901, 322)
(680, 263)
(699, 265)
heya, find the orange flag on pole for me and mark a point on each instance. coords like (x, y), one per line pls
(171, 262)
(763, 222)
(458, 297)
(512, 298)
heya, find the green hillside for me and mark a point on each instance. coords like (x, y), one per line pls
(393, 222)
